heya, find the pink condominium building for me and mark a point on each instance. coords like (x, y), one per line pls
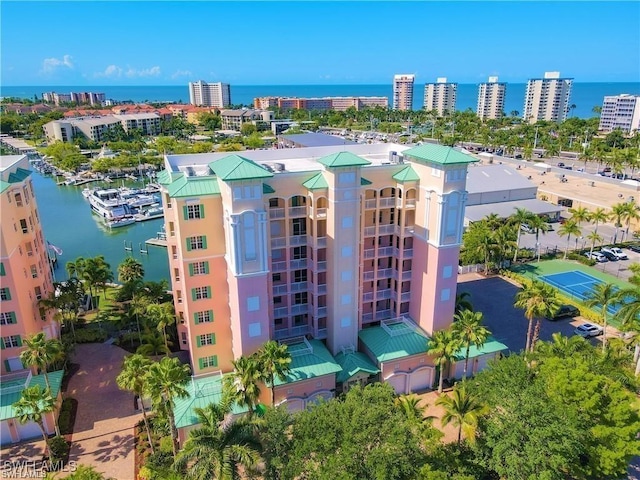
(349, 254)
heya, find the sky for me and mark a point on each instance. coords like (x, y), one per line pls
(309, 43)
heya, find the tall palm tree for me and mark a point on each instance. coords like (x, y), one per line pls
(603, 295)
(462, 410)
(567, 229)
(243, 384)
(629, 317)
(410, 406)
(153, 344)
(468, 327)
(130, 270)
(593, 237)
(539, 225)
(463, 302)
(167, 380)
(521, 216)
(562, 346)
(538, 300)
(34, 403)
(218, 447)
(76, 267)
(632, 212)
(618, 212)
(443, 345)
(133, 377)
(274, 361)
(579, 215)
(598, 216)
(164, 316)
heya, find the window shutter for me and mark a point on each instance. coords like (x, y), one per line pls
(7, 293)
(206, 267)
(208, 292)
(204, 241)
(200, 363)
(2, 272)
(211, 315)
(1, 343)
(19, 341)
(193, 294)
(198, 341)
(188, 244)
(213, 339)
(185, 211)
(13, 320)
(195, 318)
(201, 210)
(6, 366)
(214, 362)
(191, 269)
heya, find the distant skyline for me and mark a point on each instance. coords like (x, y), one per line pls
(286, 43)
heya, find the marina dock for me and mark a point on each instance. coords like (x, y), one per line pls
(157, 242)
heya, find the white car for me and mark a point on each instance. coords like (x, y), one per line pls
(597, 256)
(616, 252)
(587, 330)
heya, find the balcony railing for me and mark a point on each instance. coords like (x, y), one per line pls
(298, 240)
(321, 267)
(370, 253)
(410, 203)
(383, 314)
(322, 334)
(278, 242)
(299, 309)
(406, 275)
(321, 312)
(292, 332)
(322, 289)
(367, 317)
(280, 312)
(319, 213)
(385, 251)
(276, 213)
(409, 230)
(280, 289)
(298, 264)
(387, 202)
(383, 294)
(321, 242)
(367, 297)
(370, 204)
(386, 229)
(370, 275)
(369, 231)
(298, 211)
(385, 273)
(299, 287)
(402, 297)
(279, 266)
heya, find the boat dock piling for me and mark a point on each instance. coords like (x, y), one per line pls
(143, 250)
(128, 248)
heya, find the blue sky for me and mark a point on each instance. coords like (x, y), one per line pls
(280, 43)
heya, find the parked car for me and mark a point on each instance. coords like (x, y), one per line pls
(518, 156)
(565, 311)
(615, 251)
(597, 256)
(526, 228)
(610, 256)
(587, 330)
(561, 164)
(634, 247)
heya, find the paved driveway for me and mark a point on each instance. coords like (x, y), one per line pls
(103, 433)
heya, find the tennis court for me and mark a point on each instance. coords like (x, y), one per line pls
(575, 283)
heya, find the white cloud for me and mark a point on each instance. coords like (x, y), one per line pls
(112, 71)
(115, 71)
(49, 65)
(145, 72)
(181, 73)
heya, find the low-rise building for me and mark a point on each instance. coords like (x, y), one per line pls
(94, 128)
(234, 119)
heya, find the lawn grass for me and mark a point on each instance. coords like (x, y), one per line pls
(106, 303)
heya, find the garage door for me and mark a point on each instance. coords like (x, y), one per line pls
(295, 405)
(5, 436)
(421, 380)
(28, 431)
(398, 383)
(458, 370)
(317, 396)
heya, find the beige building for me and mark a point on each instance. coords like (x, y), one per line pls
(403, 91)
(205, 94)
(620, 111)
(547, 98)
(440, 96)
(94, 128)
(234, 119)
(491, 99)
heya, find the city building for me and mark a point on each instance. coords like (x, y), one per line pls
(547, 98)
(440, 96)
(234, 119)
(622, 112)
(94, 128)
(25, 278)
(317, 103)
(491, 99)
(74, 97)
(403, 91)
(347, 253)
(205, 94)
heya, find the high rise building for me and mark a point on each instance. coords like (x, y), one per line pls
(547, 98)
(491, 99)
(206, 94)
(25, 278)
(403, 91)
(440, 96)
(620, 111)
(336, 251)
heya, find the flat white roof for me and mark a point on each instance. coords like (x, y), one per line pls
(475, 213)
(495, 178)
(8, 161)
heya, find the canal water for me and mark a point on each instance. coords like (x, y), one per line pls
(68, 223)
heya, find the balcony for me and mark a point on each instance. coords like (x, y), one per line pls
(370, 253)
(406, 253)
(410, 203)
(298, 211)
(387, 202)
(370, 275)
(276, 213)
(320, 312)
(386, 251)
(322, 289)
(292, 332)
(298, 240)
(321, 242)
(278, 242)
(280, 289)
(299, 287)
(369, 231)
(383, 314)
(409, 230)
(383, 294)
(298, 264)
(385, 273)
(319, 213)
(279, 267)
(370, 204)
(367, 317)
(299, 308)
(281, 312)
(406, 275)
(402, 297)
(386, 229)
(367, 297)
(322, 334)
(321, 267)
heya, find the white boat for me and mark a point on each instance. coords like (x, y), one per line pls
(86, 192)
(108, 204)
(150, 214)
(121, 222)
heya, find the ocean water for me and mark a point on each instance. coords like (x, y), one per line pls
(584, 95)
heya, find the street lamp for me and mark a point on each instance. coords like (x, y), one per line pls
(535, 140)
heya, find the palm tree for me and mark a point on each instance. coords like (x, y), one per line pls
(243, 384)
(594, 237)
(468, 327)
(599, 215)
(539, 225)
(97, 272)
(167, 380)
(629, 317)
(133, 377)
(443, 345)
(618, 212)
(76, 268)
(521, 215)
(410, 406)
(632, 212)
(603, 295)
(462, 410)
(130, 270)
(463, 302)
(164, 315)
(218, 447)
(567, 229)
(274, 361)
(537, 300)
(35, 402)
(153, 344)
(579, 215)
(561, 346)
(65, 299)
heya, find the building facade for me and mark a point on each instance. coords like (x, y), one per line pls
(324, 103)
(491, 99)
(440, 96)
(95, 128)
(205, 94)
(547, 98)
(403, 91)
(234, 119)
(620, 112)
(80, 98)
(313, 246)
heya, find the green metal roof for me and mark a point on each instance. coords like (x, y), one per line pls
(11, 393)
(19, 175)
(353, 363)
(317, 182)
(343, 159)
(202, 392)
(194, 187)
(309, 362)
(403, 343)
(165, 177)
(4, 185)
(490, 346)
(440, 154)
(235, 167)
(267, 189)
(406, 175)
(364, 181)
